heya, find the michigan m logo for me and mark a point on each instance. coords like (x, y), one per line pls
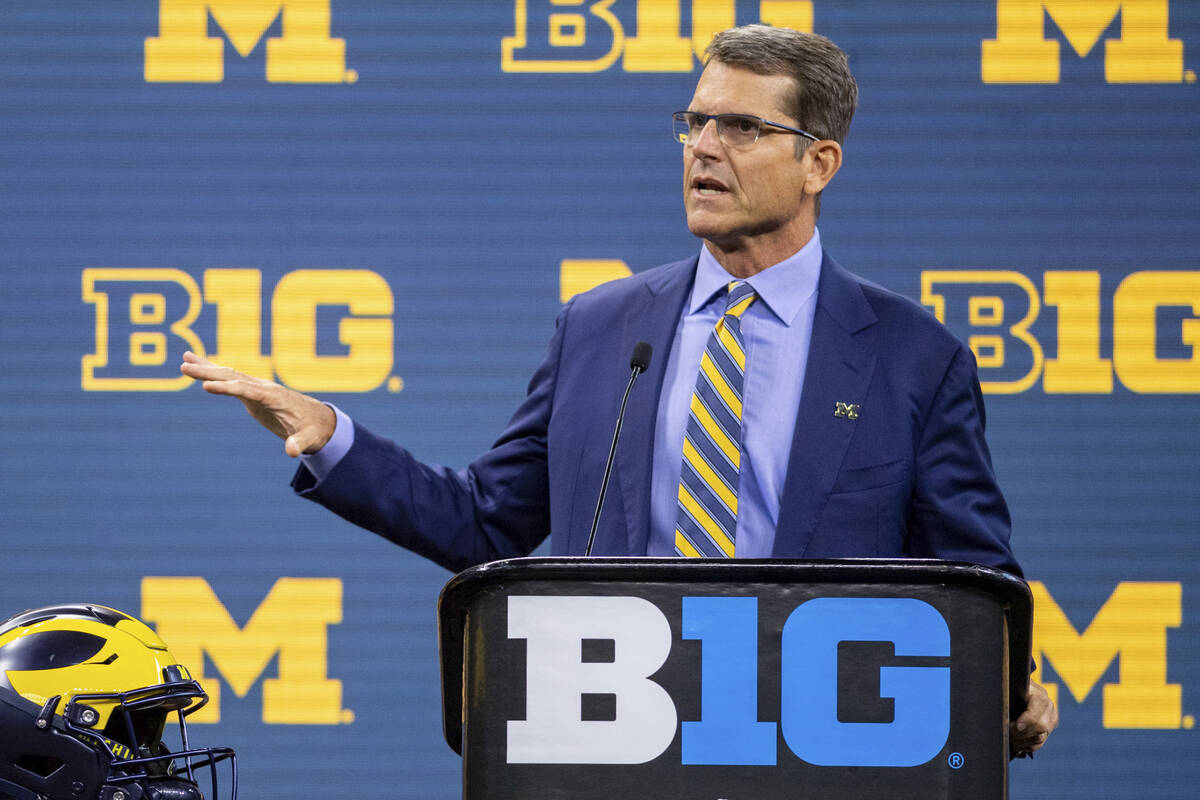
(1020, 53)
(183, 52)
(1131, 628)
(291, 621)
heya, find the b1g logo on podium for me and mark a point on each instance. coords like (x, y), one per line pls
(589, 650)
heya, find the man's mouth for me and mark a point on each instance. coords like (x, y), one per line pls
(708, 187)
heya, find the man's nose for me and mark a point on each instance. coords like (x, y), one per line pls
(706, 143)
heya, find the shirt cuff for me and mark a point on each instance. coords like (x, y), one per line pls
(322, 462)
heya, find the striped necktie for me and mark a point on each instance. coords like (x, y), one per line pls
(706, 520)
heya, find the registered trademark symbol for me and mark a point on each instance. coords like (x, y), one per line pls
(395, 384)
(347, 716)
(351, 76)
(956, 760)
(1188, 722)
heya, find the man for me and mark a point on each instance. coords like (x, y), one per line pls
(795, 410)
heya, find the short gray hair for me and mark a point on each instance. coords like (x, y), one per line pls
(826, 93)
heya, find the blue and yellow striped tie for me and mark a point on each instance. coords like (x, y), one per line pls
(706, 521)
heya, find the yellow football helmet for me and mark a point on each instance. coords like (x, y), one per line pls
(85, 692)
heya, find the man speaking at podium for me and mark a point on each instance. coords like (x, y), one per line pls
(759, 335)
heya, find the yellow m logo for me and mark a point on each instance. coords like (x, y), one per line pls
(1132, 626)
(291, 622)
(183, 52)
(1020, 53)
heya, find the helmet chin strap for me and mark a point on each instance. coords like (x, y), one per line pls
(172, 789)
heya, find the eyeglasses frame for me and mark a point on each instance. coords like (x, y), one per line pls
(761, 122)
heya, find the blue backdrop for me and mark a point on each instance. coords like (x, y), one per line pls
(384, 204)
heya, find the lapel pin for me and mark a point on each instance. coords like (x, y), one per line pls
(846, 410)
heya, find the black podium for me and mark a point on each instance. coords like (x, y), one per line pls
(729, 680)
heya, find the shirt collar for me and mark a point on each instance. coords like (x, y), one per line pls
(784, 287)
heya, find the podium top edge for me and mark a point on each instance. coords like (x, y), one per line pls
(1006, 586)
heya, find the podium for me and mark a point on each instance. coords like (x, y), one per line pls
(639, 678)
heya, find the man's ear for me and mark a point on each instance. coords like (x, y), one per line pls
(824, 159)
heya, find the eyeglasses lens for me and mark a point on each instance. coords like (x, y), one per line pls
(734, 130)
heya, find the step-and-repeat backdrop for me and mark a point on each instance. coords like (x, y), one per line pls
(385, 204)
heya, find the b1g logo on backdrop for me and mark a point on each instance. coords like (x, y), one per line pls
(1144, 52)
(183, 52)
(330, 330)
(590, 35)
(1151, 321)
(562, 678)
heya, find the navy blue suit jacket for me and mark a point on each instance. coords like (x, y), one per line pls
(910, 476)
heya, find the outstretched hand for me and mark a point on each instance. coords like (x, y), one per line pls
(304, 423)
(1029, 731)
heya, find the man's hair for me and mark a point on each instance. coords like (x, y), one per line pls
(826, 94)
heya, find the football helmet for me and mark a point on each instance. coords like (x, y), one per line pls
(85, 693)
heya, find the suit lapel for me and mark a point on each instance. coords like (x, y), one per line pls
(841, 360)
(651, 317)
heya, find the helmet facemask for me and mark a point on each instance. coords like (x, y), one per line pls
(141, 765)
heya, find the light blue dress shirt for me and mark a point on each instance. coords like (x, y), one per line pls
(324, 460)
(777, 328)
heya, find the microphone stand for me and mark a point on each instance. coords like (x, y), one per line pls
(639, 362)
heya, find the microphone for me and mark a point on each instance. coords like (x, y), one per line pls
(639, 362)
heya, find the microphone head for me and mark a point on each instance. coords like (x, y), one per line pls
(640, 360)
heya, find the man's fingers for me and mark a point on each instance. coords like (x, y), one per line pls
(1027, 741)
(234, 388)
(202, 369)
(207, 372)
(198, 366)
(1041, 710)
(1035, 724)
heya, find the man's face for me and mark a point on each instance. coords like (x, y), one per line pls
(750, 197)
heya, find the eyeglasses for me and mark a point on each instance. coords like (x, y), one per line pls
(734, 130)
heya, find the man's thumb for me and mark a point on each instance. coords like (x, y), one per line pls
(293, 446)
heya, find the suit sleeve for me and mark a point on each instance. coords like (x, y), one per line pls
(958, 512)
(498, 507)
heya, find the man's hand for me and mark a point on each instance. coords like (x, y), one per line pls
(1030, 730)
(304, 423)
